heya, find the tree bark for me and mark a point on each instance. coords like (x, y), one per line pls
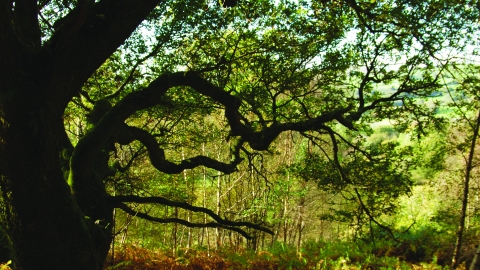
(47, 226)
(44, 223)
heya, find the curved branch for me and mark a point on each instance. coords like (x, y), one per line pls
(118, 201)
(88, 35)
(157, 154)
(111, 123)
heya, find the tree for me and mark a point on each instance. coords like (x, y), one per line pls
(268, 67)
(465, 104)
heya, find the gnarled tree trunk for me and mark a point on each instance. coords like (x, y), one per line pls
(49, 226)
(44, 223)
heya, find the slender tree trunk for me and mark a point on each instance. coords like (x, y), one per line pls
(165, 230)
(114, 232)
(300, 221)
(277, 227)
(285, 211)
(476, 260)
(218, 239)
(204, 197)
(189, 212)
(174, 235)
(205, 230)
(190, 219)
(468, 169)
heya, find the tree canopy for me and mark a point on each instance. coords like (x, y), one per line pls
(93, 92)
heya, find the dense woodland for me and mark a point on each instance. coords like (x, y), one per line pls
(239, 134)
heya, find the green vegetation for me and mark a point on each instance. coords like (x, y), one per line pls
(239, 134)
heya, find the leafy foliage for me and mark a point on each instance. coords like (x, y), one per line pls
(224, 116)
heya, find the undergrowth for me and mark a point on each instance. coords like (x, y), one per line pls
(312, 256)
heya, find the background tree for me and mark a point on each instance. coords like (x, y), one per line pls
(464, 101)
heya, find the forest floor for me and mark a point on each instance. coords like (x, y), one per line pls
(131, 257)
